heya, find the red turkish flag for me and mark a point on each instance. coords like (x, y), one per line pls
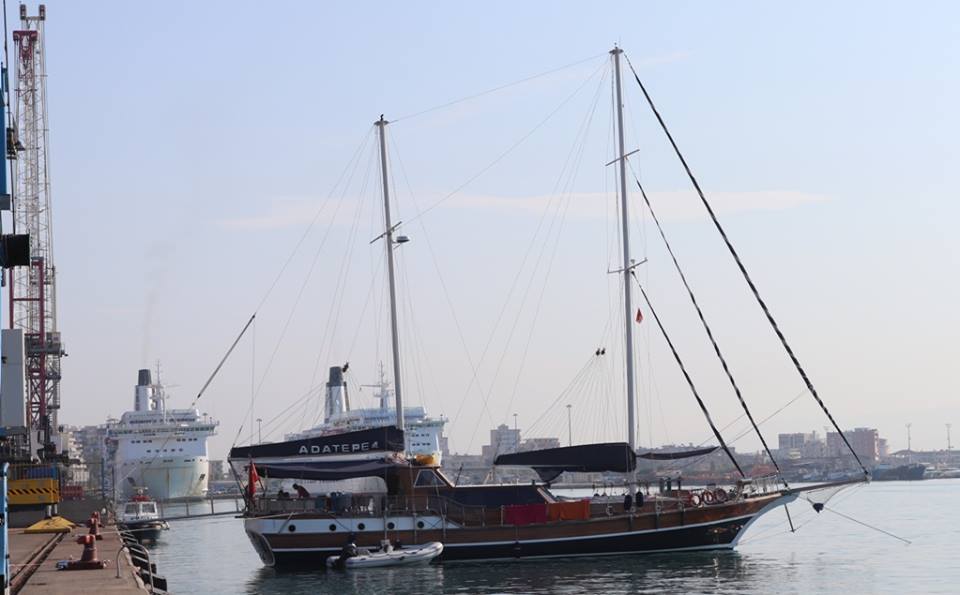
(252, 478)
(639, 316)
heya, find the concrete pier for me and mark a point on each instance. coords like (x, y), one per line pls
(33, 560)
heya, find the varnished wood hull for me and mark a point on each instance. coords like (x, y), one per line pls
(715, 527)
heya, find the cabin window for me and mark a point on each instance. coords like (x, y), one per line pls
(149, 508)
(130, 509)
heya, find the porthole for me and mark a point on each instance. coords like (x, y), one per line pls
(292, 528)
(333, 527)
(419, 524)
(361, 526)
(390, 525)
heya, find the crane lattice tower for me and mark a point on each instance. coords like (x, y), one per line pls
(33, 289)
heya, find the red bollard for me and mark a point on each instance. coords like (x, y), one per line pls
(88, 561)
(94, 524)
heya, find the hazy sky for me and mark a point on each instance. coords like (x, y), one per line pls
(192, 144)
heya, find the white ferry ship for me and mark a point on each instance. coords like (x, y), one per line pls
(159, 449)
(422, 433)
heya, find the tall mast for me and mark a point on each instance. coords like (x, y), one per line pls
(388, 240)
(627, 265)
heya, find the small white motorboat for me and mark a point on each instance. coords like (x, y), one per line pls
(140, 517)
(387, 555)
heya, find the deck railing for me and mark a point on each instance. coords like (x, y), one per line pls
(379, 505)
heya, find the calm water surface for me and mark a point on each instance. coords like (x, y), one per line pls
(828, 554)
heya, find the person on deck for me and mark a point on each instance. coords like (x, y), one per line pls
(302, 492)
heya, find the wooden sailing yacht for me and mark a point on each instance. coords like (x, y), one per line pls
(499, 522)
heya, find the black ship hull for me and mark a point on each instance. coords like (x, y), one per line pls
(708, 536)
(912, 472)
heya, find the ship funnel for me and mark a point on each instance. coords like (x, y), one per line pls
(337, 401)
(144, 392)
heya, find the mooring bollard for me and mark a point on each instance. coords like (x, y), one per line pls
(88, 560)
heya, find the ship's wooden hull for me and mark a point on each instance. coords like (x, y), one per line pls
(316, 537)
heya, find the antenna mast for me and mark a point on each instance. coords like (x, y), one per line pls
(33, 289)
(388, 240)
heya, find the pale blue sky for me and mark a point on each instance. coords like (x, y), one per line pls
(191, 143)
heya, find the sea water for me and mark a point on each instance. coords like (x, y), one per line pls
(828, 553)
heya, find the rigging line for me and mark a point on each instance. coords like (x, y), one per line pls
(743, 271)
(296, 302)
(340, 289)
(416, 356)
(683, 369)
(562, 189)
(559, 215)
(316, 216)
(352, 167)
(577, 159)
(253, 376)
(336, 304)
(443, 283)
(706, 328)
(269, 423)
(511, 148)
(496, 89)
(564, 392)
(859, 522)
(736, 438)
(223, 360)
(513, 286)
(216, 370)
(363, 311)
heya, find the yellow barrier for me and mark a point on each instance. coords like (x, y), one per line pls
(33, 491)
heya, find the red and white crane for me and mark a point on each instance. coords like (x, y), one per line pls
(33, 289)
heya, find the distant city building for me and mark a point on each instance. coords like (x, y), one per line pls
(77, 471)
(864, 441)
(503, 440)
(217, 470)
(539, 443)
(795, 440)
(444, 447)
(800, 445)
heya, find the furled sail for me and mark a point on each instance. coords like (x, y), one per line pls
(382, 439)
(331, 470)
(682, 454)
(549, 463)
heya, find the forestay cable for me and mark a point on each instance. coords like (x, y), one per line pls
(743, 271)
(706, 328)
(683, 369)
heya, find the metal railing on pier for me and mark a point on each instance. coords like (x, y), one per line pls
(193, 509)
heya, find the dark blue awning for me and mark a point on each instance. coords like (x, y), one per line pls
(549, 463)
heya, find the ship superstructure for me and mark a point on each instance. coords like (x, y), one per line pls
(422, 434)
(159, 449)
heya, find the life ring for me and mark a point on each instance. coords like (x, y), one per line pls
(708, 497)
(694, 500)
(721, 495)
